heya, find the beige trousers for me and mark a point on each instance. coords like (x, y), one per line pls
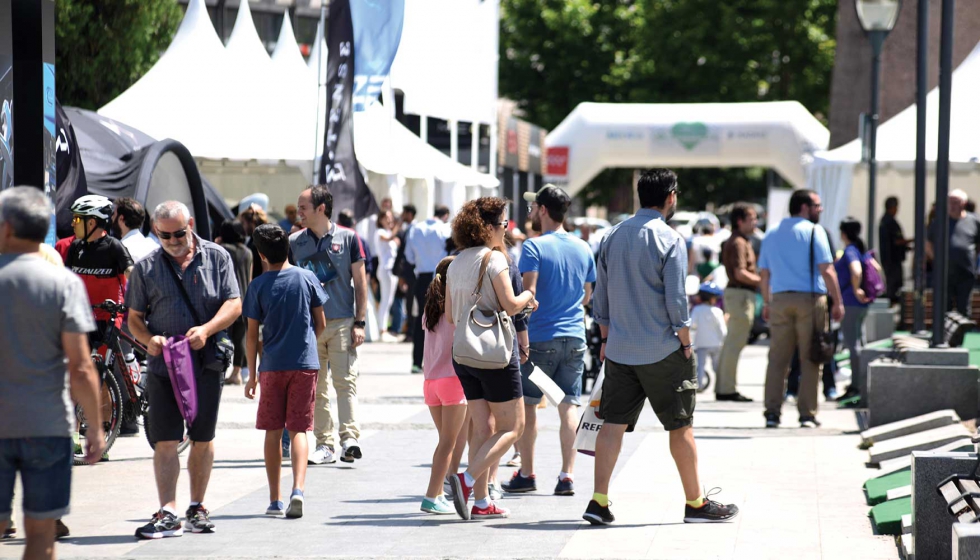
(791, 322)
(336, 352)
(740, 306)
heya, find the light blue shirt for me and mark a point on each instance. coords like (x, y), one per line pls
(786, 255)
(639, 294)
(426, 245)
(564, 264)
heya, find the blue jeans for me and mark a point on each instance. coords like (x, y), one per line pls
(397, 314)
(563, 360)
(45, 470)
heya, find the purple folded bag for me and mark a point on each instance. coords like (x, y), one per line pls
(179, 357)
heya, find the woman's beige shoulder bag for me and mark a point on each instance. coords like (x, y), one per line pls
(484, 339)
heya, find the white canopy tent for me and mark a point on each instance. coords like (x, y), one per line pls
(445, 70)
(182, 96)
(595, 136)
(842, 179)
(235, 103)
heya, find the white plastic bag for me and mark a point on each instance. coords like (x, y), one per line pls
(590, 424)
(548, 387)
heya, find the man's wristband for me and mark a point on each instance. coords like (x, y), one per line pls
(359, 324)
(604, 340)
(686, 346)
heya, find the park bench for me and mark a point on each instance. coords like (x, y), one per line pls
(908, 303)
(962, 493)
(954, 331)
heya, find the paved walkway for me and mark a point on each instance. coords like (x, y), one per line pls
(799, 491)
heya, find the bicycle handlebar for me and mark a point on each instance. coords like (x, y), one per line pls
(110, 306)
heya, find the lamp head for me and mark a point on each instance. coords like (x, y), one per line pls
(878, 15)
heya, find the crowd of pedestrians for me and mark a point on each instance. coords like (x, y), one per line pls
(289, 306)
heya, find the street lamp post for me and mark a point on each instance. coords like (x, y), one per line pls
(921, 89)
(877, 18)
(941, 239)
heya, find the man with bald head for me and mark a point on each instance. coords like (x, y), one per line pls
(964, 237)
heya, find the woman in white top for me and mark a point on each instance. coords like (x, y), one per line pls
(386, 242)
(493, 395)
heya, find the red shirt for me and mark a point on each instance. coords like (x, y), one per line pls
(102, 266)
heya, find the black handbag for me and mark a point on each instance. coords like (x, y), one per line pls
(823, 343)
(218, 351)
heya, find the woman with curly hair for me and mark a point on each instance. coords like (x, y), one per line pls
(494, 397)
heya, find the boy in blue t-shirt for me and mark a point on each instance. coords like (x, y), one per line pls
(288, 302)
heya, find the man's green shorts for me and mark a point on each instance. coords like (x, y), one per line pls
(670, 385)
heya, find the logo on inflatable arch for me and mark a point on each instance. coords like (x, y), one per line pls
(689, 134)
(558, 160)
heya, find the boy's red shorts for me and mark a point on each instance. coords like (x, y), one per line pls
(286, 399)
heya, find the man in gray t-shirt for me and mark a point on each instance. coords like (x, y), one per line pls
(45, 317)
(334, 254)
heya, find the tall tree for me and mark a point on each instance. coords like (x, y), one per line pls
(104, 46)
(555, 54)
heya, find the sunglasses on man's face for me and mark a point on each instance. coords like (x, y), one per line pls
(167, 234)
(76, 220)
(504, 223)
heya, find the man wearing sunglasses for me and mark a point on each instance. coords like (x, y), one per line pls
(103, 263)
(187, 287)
(101, 260)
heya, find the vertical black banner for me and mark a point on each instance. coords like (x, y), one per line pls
(339, 170)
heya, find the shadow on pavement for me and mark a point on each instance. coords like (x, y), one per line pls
(100, 540)
(394, 520)
(398, 500)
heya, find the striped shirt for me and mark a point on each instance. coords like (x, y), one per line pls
(639, 292)
(209, 281)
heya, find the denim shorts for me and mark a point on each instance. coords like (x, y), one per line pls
(563, 360)
(44, 464)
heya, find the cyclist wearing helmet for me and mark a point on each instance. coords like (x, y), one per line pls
(104, 264)
(100, 259)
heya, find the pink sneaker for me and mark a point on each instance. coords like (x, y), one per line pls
(492, 512)
(461, 493)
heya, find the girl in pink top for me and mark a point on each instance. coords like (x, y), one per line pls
(443, 392)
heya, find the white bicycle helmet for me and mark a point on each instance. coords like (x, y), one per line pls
(94, 206)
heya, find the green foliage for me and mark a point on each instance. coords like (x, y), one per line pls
(555, 54)
(104, 46)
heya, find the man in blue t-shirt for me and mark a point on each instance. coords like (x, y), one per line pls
(558, 268)
(287, 301)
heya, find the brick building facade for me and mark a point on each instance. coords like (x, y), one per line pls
(851, 84)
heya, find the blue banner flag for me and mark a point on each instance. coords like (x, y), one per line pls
(377, 33)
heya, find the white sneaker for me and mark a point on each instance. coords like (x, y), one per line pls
(322, 455)
(494, 491)
(351, 450)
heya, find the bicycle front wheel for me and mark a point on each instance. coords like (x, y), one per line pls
(109, 414)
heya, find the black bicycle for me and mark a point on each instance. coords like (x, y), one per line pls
(114, 410)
